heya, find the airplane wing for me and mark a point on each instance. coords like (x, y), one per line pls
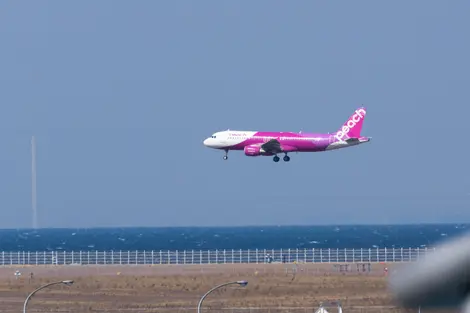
(272, 146)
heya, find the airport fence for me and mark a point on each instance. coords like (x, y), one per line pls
(314, 255)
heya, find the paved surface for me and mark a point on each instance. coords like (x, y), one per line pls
(377, 269)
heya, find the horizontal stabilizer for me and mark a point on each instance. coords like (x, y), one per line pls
(352, 140)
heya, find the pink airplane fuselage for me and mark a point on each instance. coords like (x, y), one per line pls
(256, 143)
(289, 141)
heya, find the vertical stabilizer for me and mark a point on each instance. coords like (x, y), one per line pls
(353, 126)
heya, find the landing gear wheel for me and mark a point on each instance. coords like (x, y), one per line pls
(276, 159)
(225, 157)
(286, 158)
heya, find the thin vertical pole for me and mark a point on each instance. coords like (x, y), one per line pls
(33, 182)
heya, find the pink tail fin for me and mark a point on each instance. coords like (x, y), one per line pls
(353, 126)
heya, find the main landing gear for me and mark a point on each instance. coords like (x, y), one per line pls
(286, 158)
(226, 155)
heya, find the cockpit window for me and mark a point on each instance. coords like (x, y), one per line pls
(212, 136)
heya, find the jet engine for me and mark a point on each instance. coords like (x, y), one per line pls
(253, 150)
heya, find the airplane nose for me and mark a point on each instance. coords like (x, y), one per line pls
(206, 142)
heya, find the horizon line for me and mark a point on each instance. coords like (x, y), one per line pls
(242, 226)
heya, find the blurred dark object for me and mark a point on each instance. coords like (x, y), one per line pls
(441, 280)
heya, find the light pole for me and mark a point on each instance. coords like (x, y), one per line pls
(65, 282)
(241, 283)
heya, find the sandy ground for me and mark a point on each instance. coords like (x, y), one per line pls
(271, 288)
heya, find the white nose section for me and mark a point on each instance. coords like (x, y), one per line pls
(206, 142)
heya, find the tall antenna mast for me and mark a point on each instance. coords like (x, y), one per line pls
(33, 182)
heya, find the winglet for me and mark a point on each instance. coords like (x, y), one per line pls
(353, 126)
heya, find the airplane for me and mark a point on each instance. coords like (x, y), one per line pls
(257, 143)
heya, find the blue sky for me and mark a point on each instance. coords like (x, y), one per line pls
(121, 94)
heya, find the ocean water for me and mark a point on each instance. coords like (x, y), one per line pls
(211, 238)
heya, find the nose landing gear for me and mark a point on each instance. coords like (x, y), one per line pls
(226, 155)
